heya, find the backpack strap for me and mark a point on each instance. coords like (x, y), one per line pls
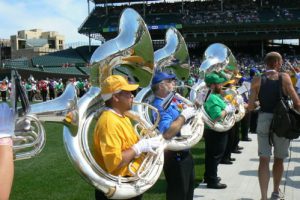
(280, 85)
(263, 80)
(271, 133)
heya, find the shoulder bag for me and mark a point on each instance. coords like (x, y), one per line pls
(286, 121)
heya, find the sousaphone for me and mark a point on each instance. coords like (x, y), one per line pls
(173, 58)
(30, 136)
(216, 57)
(129, 54)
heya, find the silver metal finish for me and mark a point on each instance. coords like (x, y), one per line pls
(216, 57)
(29, 139)
(131, 54)
(240, 108)
(173, 58)
(215, 60)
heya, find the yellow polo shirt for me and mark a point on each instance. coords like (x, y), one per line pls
(112, 135)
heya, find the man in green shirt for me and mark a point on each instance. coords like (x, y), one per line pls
(59, 87)
(215, 142)
(80, 87)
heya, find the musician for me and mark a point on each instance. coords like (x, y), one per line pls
(178, 165)
(215, 142)
(266, 90)
(80, 88)
(298, 81)
(115, 142)
(51, 86)
(233, 132)
(6, 151)
(254, 114)
(43, 87)
(3, 89)
(28, 87)
(59, 87)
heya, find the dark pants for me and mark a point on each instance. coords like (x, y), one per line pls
(236, 136)
(245, 126)
(253, 121)
(215, 144)
(180, 174)
(44, 95)
(3, 95)
(81, 93)
(230, 143)
(59, 92)
(30, 95)
(51, 94)
(100, 196)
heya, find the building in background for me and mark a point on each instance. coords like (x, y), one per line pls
(5, 50)
(35, 42)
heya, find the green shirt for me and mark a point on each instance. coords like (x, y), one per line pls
(80, 85)
(190, 82)
(214, 106)
(28, 86)
(59, 86)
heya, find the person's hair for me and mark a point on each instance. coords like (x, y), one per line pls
(208, 84)
(271, 59)
(108, 103)
(155, 88)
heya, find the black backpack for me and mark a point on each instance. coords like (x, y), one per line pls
(286, 121)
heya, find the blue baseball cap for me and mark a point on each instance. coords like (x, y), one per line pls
(253, 71)
(160, 76)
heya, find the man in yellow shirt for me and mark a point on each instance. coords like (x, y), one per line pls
(115, 142)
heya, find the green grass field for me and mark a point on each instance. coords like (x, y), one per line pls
(51, 176)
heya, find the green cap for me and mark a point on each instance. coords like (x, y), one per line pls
(212, 78)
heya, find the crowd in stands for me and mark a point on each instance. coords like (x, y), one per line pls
(213, 13)
(246, 63)
(210, 12)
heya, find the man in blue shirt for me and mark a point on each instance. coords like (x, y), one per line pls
(178, 165)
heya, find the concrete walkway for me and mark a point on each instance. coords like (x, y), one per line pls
(241, 176)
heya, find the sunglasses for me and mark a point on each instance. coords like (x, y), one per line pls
(126, 94)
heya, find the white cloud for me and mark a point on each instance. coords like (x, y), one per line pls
(63, 16)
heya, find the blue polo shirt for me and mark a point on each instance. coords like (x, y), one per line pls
(166, 116)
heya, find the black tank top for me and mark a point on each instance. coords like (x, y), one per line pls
(268, 95)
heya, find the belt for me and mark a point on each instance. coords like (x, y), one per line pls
(179, 155)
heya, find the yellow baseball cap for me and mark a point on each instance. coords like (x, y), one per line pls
(229, 82)
(238, 75)
(114, 84)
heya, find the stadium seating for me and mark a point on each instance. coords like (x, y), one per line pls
(61, 70)
(83, 51)
(198, 13)
(68, 57)
(17, 63)
(86, 70)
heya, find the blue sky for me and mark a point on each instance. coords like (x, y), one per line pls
(63, 16)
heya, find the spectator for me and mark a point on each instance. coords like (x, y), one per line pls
(266, 90)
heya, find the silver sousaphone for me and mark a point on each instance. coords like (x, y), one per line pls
(216, 57)
(173, 58)
(130, 54)
(30, 136)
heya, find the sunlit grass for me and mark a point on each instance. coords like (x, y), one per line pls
(51, 176)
